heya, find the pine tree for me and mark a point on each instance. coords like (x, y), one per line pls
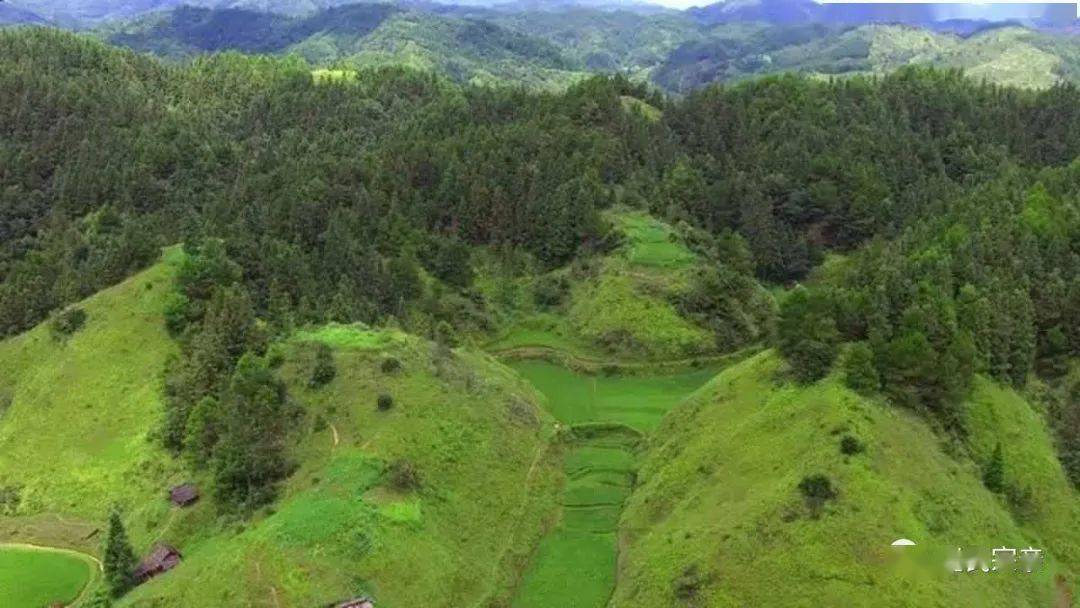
(324, 370)
(249, 456)
(860, 375)
(994, 472)
(807, 334)
(119, 563)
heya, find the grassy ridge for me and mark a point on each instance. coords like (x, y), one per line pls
(342, 529)
(717, 516)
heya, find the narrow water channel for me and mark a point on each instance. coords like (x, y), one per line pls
(574, 566)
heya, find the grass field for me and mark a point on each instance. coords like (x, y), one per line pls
(575, 564)
(33, 578)
(650, 242)
(638, 402)
(717, 515)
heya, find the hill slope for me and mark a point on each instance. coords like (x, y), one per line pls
(717, 520)
(75, 435)
(75, 440)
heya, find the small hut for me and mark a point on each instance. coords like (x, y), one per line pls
(359, 602)
(184, 495)
(162, 559)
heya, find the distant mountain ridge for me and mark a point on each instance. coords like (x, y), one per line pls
(939, 15)
(13, 15)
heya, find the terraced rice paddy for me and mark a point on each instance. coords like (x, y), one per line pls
(574, 566)
(636, 401)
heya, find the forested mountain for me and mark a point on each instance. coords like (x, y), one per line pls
(552, 48)
(279, 279)
(85, 13)
(932, 15)
(1006, 55)
(12, 15)
(191, 30)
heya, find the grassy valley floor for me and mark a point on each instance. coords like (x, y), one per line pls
(604, 418)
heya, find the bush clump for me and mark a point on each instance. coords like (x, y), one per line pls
(994, 472)
(324, 370)
(68, 322)
(849, 446)
(817, 489)
(403, 476)
(384, 402)
(390, 365)
(550, 290)
(860, 375)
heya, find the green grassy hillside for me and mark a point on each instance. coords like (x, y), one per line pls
(478, 479)
(626, 305)
(717, 518)
(347, 528)
(75, 435)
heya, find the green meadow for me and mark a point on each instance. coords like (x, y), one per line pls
(31, 577)
(575, 564)
(635, 401)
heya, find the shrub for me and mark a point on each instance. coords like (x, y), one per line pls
(177, 313)
(689, 584)
(994, 472)
(384, 402)
(68, 321)
(275, 356)
(550, 290)
(816, 490)
(403, 476)
(324, 370)
(10, 498)
(849, 446)
(390, 365)
(860, 375)
(445, 336)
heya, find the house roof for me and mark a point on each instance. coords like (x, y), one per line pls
(184, 494)
(163, 557)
